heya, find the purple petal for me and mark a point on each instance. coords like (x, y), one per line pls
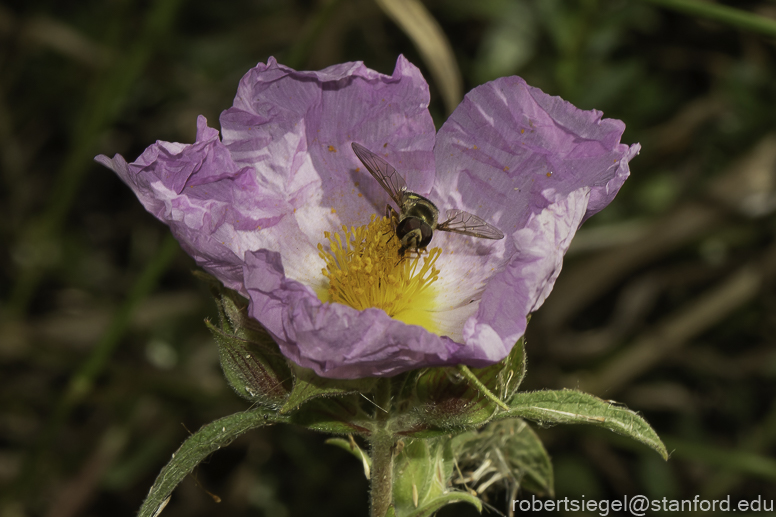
(201, 194)
(335, 340)
(536, 167)
(296, 128)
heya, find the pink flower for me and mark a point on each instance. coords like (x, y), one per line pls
(253, 206)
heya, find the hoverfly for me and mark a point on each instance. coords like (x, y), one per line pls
(416, 221)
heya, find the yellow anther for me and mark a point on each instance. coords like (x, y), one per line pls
(365, 270)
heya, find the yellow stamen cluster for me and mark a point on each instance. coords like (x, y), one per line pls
(365, 269)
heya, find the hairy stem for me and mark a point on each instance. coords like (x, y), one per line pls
(383, 444)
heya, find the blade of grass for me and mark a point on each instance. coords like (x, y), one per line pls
(723, 14)
(675, 331)
(81, 382)
(107, 101)
(748, 463)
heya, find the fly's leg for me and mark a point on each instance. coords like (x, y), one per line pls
(393, 217)
(391, 214)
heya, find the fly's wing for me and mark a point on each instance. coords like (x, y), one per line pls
(383, 172)
(459, 221)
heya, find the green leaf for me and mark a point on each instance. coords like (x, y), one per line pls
(309, 386)
(527, 455)
(422, 472)
(413, 474)
(575, 407)
(197, 447)
(515, 454)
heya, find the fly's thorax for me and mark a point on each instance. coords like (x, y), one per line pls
(415, 205)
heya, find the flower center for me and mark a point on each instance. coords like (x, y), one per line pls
(365, 270)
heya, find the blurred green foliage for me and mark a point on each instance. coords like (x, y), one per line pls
(666, 302)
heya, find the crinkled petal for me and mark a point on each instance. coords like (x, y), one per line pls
(536, 167)
(296, 129)
(205, 198)
(526, 281)
(335, 340)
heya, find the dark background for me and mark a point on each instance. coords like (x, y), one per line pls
(666, 301)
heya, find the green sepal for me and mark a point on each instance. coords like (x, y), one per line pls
(575, 407)
(251, 360)
(448, 400)
(336, 415)
(249, 370)
(197, 447)
(309, 386)
(403, 385)
(512, 373)
(503, 378)
(407, 415)
(422, 431)
(233, 316)
(513, 449)
(422, 472)
(475, 382)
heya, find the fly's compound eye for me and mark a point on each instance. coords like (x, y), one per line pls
(406, 225)
(426, 234)
(418, 226)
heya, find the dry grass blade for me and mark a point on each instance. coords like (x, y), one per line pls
(581, 285)
(66, 40)
(748, 186)
(424, 31)
(75, 494)
(675, 331)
